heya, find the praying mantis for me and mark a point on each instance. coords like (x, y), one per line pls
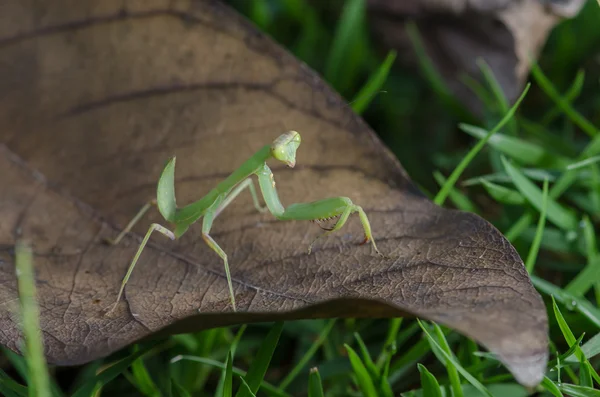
(212, 204)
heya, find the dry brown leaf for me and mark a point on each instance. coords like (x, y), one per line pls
(96, 96)
(506, 34)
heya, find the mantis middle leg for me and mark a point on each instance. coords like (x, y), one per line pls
(153, 227)
(132, 223)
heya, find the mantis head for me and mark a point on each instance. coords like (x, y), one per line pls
(284, 147)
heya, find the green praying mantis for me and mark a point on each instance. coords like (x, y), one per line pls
(210, 206)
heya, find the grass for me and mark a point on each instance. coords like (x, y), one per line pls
(530, 168)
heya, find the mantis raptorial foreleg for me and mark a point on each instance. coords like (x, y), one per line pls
(316, 210)
(338, 225)
(210, 206)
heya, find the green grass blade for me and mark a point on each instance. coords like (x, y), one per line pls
(10, 388)
(450, 367)
(519, 149)
(346, 37)
(566, 331)
(566, 356)
(545, 137)
(586, 372)
(143, 380)
(364, 380)
(260, 364)
(390, 340)
(579, 391)
(460, 200)
(260, 13)
(373, 85)
(307, 356)
(581, 305)
(415, 353)
(571, 94)
(479, 90)
(557, 214)
(381, 382)
(112, 371)
(385, 388)
(429, 384)
(591, 348)
(245, 388)
(590, 275)
(177, 390)
(268, 388)
(519, 226)
(228, 382)
(366, 357)
(232, 348)
(496, 89)
(503, 194)
(583, 163)
(563, 104)
(18, 362)
(456, 364)
(315, 386)
(39, 381)
(592, 149)
(551, 387)
(453, 178)
(20, 365)
(539, 233)
(585, 375)
(565, 181)
(434, 78)
(535, 174)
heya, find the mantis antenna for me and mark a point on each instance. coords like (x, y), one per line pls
(214, 202)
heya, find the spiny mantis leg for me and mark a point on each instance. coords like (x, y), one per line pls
(343, 219)
(318, 222)
(153, 227)
(315, 210)
(338, 225)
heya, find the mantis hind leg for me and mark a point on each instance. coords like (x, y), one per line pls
(131, 223)
(153, 227)
(206, 225)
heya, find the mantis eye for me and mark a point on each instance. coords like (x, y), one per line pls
(284, 147)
